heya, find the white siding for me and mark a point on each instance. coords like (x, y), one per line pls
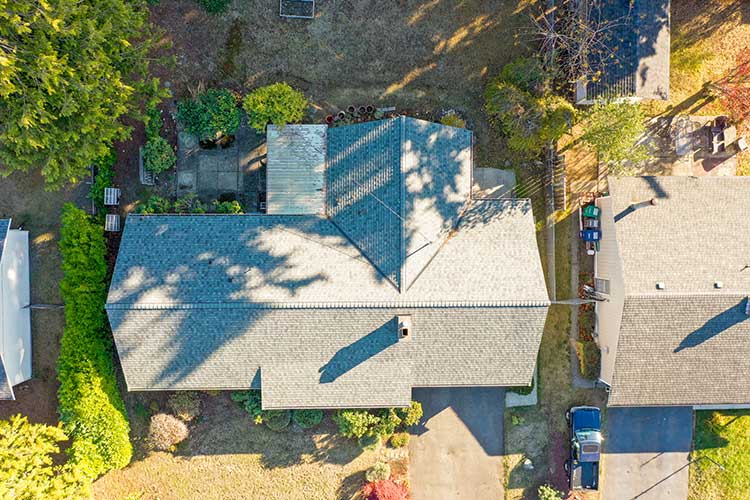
(608, 265)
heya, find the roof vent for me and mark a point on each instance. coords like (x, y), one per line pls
(660, 285)
(648, 203)
(404, 327)
(718, 285)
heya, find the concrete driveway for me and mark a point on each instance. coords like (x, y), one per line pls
(458, 452)
(646, 453)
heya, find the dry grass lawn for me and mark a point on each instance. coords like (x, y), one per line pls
(227, 456)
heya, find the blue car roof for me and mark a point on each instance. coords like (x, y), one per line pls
(587, 418)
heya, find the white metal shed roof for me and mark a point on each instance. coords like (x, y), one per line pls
(15, 320)
(295, 168)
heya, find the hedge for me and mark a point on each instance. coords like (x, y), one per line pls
(90, 404)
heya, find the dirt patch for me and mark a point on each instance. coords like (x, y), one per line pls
(414, 55)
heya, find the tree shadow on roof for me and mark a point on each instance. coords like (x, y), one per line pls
(714, 326)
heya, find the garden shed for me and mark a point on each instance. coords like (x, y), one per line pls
(15, 320)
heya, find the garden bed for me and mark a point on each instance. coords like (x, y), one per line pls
(589, 356)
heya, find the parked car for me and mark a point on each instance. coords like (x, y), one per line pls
(585, 447)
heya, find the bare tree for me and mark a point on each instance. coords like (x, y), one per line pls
(579, 37)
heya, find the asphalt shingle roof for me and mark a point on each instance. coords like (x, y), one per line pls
(633, 58)
(683, 350)
(306, 306)
(689, 343)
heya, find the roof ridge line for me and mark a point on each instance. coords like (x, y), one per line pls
(333, 305)
(402, 197)
(665, 293)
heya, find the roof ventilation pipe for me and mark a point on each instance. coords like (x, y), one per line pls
(648, 203)
(404, 327)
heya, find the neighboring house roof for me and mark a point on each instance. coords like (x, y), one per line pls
(295, 305)
(294, 170)
(634, 57)
(6, 390)
(15, 322)
(688, 344)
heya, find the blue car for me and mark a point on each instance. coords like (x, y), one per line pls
(585, 447)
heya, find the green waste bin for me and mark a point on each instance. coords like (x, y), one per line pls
(591, 211)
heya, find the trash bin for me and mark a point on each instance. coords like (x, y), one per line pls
(591, 211)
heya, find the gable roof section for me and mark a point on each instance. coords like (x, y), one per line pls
(696, 235)
(294, 170)
(683, 350)
(688, 344)
(634, 56)
(396, 188)
(6, 390)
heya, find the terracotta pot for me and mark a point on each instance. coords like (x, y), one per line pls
(329, 119)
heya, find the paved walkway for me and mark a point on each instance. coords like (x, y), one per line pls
(458, 452)
(646, 453)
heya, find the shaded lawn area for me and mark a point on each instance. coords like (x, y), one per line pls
(723, 436)
(228, 456)
(419, 55)
(540, 433)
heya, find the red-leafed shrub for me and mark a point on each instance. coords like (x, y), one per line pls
(385, 490)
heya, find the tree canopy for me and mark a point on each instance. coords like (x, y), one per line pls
(69, 70)
(613, 130)
(28, 471)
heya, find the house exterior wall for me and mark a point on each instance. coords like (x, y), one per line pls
(15, 319)
(608, 265)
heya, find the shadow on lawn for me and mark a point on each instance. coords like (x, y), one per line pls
(226, 429)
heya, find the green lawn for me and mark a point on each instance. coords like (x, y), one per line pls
(723, 436)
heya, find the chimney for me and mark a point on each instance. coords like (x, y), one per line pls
(404, 327)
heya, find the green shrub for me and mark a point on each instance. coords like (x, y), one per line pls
(549, 493)
(90, 404)
(453, 120)
(307, 419)
(158, 155)
(388, 422)
(153, 122)
(355, 423)
(185, 405)
(165, 432)
(276, 420)
(155, 205)
(410, 415)
(523, 391)
(189, 204)
(589, 358)
(214, 6)
(251, 402)
(105, 176)
(370, 442)
(400, 439)
(210, 116)
(527, 74)
(226, 207)
(380, 471)
(277, 103)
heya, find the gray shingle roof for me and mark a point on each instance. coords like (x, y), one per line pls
(683, 350)
(689, 343)
(634, 58)
(697, 234)
(353, 354)
(396, 188)
(295, 304)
